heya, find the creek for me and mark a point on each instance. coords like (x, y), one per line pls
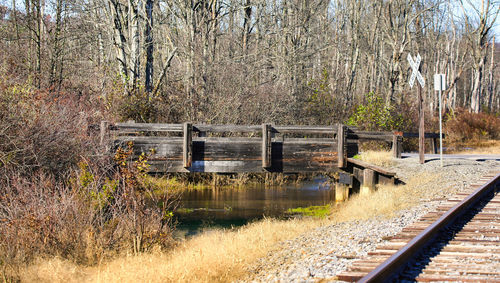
(206, 209)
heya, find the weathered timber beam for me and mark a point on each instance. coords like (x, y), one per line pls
(341, 146)
(147, 127)
(163, 140)
(426, 135)
(227, 128)
(371, 136)
(305, 129)
(187, 145)
(397, 146)
(266, 145)
(369, 178)
(378, 169)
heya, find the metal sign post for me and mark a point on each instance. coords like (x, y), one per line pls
(440, 85)
(415, 66)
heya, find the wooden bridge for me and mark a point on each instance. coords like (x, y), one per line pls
(255, 149)
(234, 149)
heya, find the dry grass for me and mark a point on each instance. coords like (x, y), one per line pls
(485, 147)
(386, 200)
(219, 256)
(54, 270)
(223, 255)
(380, 158)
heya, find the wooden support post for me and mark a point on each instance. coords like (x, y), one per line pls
(397, 146)
(104, 132)
(341, 192)
(341, 146)
(421, 130)
(434, 146)
(266, 145)
(187, 145)
(369, 181)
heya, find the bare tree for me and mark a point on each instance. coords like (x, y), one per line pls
(478, 27)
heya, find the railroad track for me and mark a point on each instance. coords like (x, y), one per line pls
(459, 241)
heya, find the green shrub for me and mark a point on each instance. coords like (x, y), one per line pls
(375, 115)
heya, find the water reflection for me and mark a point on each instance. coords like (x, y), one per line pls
(209, 208)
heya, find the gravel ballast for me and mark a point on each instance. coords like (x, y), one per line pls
(326, 251)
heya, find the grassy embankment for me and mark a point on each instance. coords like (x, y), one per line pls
(224, 255)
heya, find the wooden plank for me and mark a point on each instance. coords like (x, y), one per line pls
(385, 180)
(148, 127)
(364, 135)
(147, 140)
(266, 145)
(288, 157)
(232, 147)
(227, 128)
(158, 127)
(187, 145)
(305, 129)
(371, 166)
(426, 135)
(341, 138)
(358, 174)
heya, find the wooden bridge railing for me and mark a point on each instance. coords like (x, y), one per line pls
(396, 138)
(249, 148)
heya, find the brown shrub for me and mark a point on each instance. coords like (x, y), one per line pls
(40, 216)
(98, 212)
(41, 130)
(463, 126)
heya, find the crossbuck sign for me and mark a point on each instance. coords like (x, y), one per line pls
(415, 73)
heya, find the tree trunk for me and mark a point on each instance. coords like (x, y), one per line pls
(120, 41)
(490, 78)
(135, 50)
(56, 59)
(475, 103)
(149, 47)
(246, 26)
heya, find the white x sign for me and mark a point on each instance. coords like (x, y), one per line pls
(415, 73)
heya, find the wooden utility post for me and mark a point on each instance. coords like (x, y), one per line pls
(421, 124)
(341, 146)
(397, 144)
(187, 145)
(266, 146)
(415, 66)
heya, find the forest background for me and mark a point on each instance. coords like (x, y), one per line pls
(65, 65)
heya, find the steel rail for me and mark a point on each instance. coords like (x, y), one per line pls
(393, 265)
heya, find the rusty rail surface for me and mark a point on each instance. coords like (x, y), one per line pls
(393, 265)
